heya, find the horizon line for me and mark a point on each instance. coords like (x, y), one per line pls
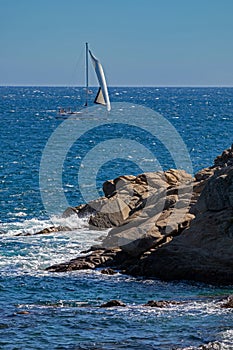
(114, 86)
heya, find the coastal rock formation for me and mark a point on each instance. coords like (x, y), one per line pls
(202, 252)
(165, 224)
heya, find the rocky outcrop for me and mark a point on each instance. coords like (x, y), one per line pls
(202, 252)
(98, 258)
(144, 210)
(166, 224)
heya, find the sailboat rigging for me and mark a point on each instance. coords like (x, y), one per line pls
(102, 96)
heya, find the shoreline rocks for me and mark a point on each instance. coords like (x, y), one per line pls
(166, 225)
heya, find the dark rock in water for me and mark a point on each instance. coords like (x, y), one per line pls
(23, 312)
(228, 303)
(72, 265)
(82, 211)
(113, 303)
(108, 271)
(160, 303)
(46, 230)
(98, 258)
(52, 229)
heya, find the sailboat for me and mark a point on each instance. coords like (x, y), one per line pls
(102, 96)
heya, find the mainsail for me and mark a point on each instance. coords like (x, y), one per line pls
(102, 95)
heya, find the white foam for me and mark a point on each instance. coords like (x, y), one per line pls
(31, 254)
(32, 226)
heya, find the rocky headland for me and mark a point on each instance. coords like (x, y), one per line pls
(167, 225)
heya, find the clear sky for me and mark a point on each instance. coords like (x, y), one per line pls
(139, 42)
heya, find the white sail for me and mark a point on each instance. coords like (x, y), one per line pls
(102, 95)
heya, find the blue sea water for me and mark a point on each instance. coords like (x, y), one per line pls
(41, 310)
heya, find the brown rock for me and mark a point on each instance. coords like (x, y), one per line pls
(203, 252)
(228, 303)
(108, 271)
(46, 230)
(166, 226)
(113, 213)
(23, 312)
(97, 258)
(53, 229)
(160, 303)
(113, 303)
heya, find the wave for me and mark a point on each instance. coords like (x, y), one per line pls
(24, 251)
(35, 225)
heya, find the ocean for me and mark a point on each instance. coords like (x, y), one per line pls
(42, 310)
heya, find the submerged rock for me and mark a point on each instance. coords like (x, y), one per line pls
(113, 303)
(160, 303)
(46, 231)
(108, 271)
(23, 312)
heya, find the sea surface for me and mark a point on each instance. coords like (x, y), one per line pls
(41, 310)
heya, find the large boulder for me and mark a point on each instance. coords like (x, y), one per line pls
(161, 211)
(202, 252)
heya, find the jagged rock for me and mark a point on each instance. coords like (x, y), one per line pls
(218, 194)
(161, 303)
(97, 258)
(109, 188)
(108, 271)
(46, 230)
(53, 229)
(141, 224)
(75, 264)
(113, 303)
(203, 251)
(71, 211)
(112, 213)
(228, 303)
(83, 210)
(151, 228)
(127, 195)
(225, 159)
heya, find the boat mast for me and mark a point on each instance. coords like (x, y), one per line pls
(86, 74)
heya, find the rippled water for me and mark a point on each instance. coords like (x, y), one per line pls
(41, 310)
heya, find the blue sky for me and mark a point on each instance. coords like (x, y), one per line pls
(139, 42)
